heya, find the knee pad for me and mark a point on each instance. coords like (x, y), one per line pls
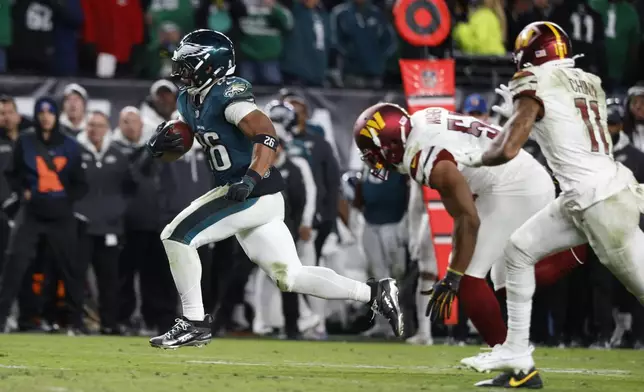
(284, 276)
(515, 256)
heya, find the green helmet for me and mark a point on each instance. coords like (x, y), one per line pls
(202, 57)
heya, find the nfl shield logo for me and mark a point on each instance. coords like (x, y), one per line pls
(429, 78)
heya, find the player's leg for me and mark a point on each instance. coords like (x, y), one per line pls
(210, 218)
(547, 232)
(500, 216)
(612, 228)
(271, 247)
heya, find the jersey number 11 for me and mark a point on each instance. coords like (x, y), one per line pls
(582, 104)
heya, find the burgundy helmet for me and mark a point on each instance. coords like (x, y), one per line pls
(380, 133)
(539, 43)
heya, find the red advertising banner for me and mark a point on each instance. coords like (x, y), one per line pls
(431, 83)
(428, 83)
(422, 22)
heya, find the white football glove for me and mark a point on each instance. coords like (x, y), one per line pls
(506, 108)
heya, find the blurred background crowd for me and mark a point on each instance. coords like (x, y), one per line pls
(95, 71)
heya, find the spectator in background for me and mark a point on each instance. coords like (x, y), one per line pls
(143, 251)
(261, 41)
(364, 38)
(606, 290)
(306, 46)
(519, 14)
(160, 52)
(74, 116)
(114, 28)
(9, 202)
(484, 33)
(160, 104)
(220, 15)
(585, 28)
(634, 118)
(107, 171)
(383, 205)
(167, 21)
(180, 13)
(48, 175)
(5, 32)
(623, 37)
(475, 105)
(302, 110)
(68, 23)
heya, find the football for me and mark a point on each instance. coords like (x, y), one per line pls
(183, 129)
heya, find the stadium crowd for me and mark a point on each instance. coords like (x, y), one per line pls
(95, 263)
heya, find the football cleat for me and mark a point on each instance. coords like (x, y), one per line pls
(185, 333)
(384, 301)
(501, 358)
(530, 379)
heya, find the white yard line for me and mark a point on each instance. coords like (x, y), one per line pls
(597, 372)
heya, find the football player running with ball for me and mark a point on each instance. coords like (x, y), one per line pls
(600, 202)
(240, 143)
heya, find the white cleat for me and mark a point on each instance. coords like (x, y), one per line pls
(420, 340)
(501, 358)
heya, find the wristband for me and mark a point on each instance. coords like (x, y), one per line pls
(266, 140)
(454, 272)
(253, 175)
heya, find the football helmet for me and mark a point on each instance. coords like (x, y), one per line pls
(283, 116)
(380, 133)
(614, 111)
(539, 43)
(201, 58)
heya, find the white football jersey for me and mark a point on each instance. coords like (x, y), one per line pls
(573, 134)
(437, 134)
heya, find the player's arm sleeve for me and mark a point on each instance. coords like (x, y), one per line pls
(310, 190)
(423, 161)
(526, 84)
(239, 100)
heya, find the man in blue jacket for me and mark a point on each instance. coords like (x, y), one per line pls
(365, 39)
(47, 174)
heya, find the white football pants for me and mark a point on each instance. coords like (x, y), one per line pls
(258, 225)
(609, 226)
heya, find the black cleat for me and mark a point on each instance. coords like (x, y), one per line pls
(185, 333)
(384, 301)
(530, 380)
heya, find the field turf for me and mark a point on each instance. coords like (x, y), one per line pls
(34, 363)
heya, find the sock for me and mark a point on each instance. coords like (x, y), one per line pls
(186, 271)
(326, 283)
(482, 307)
(556, 266)
(520, 285)
(424, 327)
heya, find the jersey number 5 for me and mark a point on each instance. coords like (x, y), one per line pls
(582, 104)
(475, 128)
(217, 153)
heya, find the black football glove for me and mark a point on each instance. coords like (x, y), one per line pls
(442, 295)
(239, 191)
(162, 141)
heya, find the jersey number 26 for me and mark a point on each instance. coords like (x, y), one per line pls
(217, 153)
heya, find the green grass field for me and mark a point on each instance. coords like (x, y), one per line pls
(36, 363)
